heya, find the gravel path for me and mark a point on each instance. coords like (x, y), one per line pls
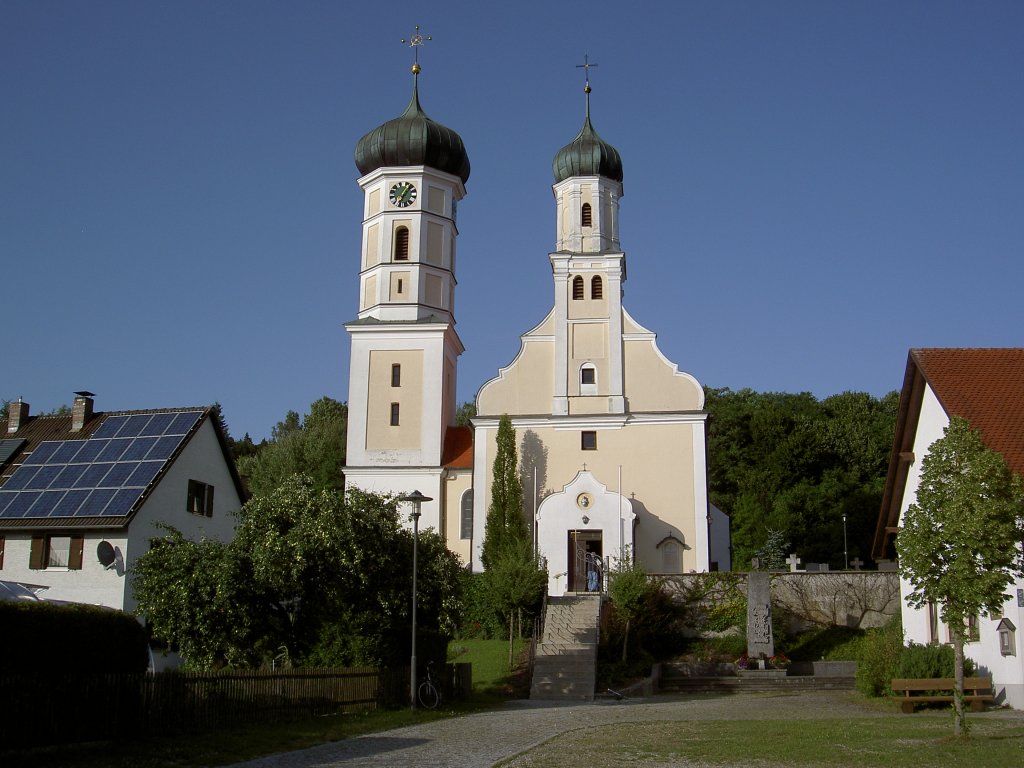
(482, 739)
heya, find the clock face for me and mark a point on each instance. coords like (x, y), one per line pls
(403, 194)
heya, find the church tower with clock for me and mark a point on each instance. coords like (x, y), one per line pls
(405, 348)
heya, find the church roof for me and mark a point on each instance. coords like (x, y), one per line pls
(587, 155)
(412, 138)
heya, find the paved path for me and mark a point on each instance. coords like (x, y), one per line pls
(480, 740)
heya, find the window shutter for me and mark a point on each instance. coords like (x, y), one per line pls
(209, 501)
(75, 555)
(35, 559)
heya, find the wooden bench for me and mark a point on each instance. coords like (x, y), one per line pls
(910, 692)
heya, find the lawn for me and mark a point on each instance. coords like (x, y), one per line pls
(921, 741)
(491, 685)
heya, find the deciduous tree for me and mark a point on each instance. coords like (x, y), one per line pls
(960, 542)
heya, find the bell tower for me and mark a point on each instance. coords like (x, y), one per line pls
(405, 348)
(589, 268)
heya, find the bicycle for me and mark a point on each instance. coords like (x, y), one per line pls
(428, 693)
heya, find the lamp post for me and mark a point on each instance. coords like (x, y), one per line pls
(846, 553)
(415, 498)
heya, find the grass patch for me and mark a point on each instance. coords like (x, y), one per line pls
(492, 684)
(491, 673)
(883, 742)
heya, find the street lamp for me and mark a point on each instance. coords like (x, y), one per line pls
(415, 498)
(846, 553)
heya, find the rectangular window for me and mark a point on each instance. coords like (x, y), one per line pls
(973, 629)
(394, 414)
(396, 375)
(59, 552)
(588, 376)
(200, 498)
(588, 441)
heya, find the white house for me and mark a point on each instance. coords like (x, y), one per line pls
(81, 494)
(985, 387)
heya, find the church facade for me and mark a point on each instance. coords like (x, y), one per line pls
(610, 434)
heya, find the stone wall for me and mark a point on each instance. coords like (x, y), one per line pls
(861, 599)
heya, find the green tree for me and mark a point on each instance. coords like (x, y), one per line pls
(314, 446)
(790, 462)
(465, 412)
(505, 522)
(772, 556)
(515, 583)
(629, 588)
(323, 576)
(959, 544)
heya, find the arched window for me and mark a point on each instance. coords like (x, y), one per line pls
(671, 555)
(577, 288)
(588, 379)
(466, 528)
(402, 244)
(596, 287)
(586, 217)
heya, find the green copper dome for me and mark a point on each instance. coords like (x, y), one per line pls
(412, 138)
(587, 155)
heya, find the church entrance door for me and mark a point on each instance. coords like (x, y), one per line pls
(586, 561)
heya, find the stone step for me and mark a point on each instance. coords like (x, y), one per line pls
(686, 684)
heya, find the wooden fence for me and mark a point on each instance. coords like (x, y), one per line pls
(39, 708)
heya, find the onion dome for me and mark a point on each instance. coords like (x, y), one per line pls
(412, 138)
(587, 155)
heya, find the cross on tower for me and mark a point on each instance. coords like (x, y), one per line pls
(585, 66)
(415, 41)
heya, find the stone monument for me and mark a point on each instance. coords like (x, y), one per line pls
(760, 642)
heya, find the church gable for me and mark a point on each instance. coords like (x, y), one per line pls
(524, 385)
(653, 382)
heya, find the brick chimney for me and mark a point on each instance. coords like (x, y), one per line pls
(17, 414)
(81, 411)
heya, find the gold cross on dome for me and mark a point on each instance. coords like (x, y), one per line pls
(415, 42)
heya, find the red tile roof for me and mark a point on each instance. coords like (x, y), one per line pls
(984, 386)
(458, 448)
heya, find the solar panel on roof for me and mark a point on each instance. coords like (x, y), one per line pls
(102, 475)
(158, 424)
(42, 452)
(8, 448)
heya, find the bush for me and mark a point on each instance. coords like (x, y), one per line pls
(926, 661)
(41, 635)
(480, 619)
(827, 644)
(880, 653)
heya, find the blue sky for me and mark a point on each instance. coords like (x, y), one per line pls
(811, 188)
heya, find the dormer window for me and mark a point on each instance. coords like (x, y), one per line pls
(402, 244)
(586, 217)
(596, 288)
(577, 289)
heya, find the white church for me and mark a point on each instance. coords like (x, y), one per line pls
(610, 433)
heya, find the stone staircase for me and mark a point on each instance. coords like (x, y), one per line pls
(565, 663)
(685, 678)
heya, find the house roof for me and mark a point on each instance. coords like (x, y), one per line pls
(458, 448)
(984, 386)
(100, 475)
